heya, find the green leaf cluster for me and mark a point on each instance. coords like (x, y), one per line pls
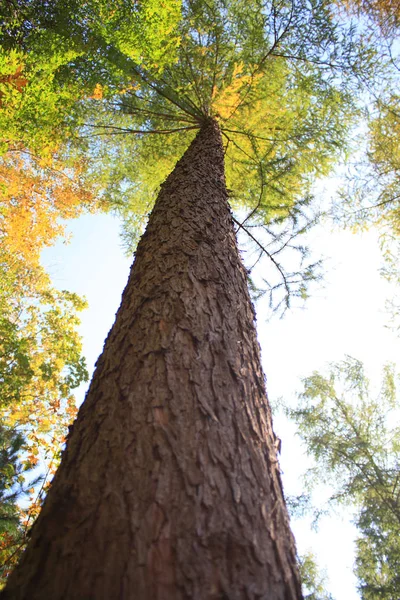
(355, 441)
(314, 584)
(40, 364)
(12, 489)
(54, 54)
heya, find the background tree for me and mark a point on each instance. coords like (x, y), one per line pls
(11, 473)
(40, 364)
(370, 195)
(354, 439)
(314, 584)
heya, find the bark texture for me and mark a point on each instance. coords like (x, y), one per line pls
(169, 488)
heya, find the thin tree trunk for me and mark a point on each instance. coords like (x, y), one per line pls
(169, 488)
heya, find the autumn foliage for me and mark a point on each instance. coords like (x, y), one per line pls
(40, 350)
(34, 194)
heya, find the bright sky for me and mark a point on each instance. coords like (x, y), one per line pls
(345, 317)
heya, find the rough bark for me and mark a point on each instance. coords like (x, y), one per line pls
(169, 488)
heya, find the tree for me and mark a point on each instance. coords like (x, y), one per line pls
(355, 442)
(385, 159)
(191, 465)
(370, 197)
(41, 358)
(312, 580)
(169, 485)
(273, 91)
(12, 476)
(40, 364)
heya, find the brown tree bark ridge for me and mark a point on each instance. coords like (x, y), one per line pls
(169, 488)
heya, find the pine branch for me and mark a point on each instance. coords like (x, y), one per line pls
(124, 130)
(270, 256)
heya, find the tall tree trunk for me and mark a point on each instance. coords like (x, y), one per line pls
(169, 488)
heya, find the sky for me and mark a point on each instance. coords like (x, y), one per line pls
(344, 316)
(348, 317)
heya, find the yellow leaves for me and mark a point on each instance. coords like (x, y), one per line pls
(97, 92)
(34, 195)
(227, 100)
(40, 349)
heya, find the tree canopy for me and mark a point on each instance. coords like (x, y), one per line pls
(280, 78)
(266, 72)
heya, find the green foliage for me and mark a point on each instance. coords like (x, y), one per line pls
(266, 72)
(314, 584)
(279, 77)
(40, 364)
(11, 535)
(355, 441)
(54, 54)
(12, 489)
(33, 107)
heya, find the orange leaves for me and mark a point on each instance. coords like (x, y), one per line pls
(32, 459)
(12, 81)
(40, 349)
(34, 195)
(97, 92)
(16, 80)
